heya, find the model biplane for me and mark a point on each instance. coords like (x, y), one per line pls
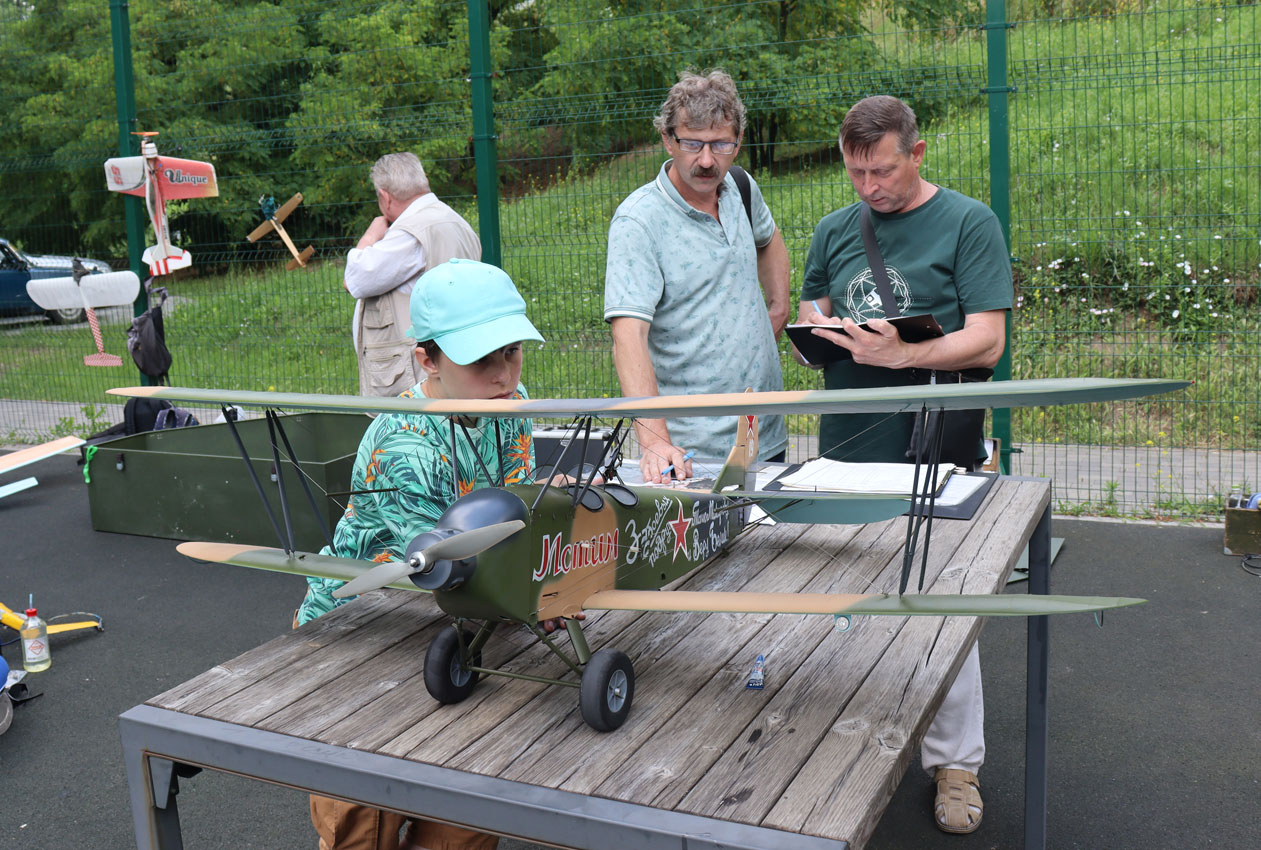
(274, 216)
(159, 179)
(530, 553)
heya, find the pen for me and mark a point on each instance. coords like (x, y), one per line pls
(686, 456)
(815, 305)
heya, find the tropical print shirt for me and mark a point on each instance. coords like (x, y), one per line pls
(404, 462)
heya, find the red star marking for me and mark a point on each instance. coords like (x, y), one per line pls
(680, 533)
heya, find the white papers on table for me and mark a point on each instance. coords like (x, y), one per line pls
(959, 489)
(836, 476)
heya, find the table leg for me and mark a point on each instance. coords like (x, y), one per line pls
(151, 784)
(1036, 677)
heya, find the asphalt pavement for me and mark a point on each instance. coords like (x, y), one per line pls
(1154, 718)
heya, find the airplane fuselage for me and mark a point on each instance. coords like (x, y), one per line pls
(638, 538)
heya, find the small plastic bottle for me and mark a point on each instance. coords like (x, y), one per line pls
(35, 653)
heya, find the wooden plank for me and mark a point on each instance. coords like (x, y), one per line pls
(662, 770)
(204, 690)
(846, 783)
(286, 685)
(751, 774)
(679, 654)
(374, 727)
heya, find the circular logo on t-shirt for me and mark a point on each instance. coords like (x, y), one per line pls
(863, 301)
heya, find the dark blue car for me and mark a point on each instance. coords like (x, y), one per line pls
(16, 268)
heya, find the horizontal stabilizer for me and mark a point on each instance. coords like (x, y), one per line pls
(275, 560)
(301, 260)
(162, 262)
(113, 289)
(18, 459)
(963, 605)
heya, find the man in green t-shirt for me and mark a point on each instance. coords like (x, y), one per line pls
(945, 254)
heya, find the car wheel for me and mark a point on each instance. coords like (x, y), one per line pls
(69, 316)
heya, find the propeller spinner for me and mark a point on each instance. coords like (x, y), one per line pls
(463, 544)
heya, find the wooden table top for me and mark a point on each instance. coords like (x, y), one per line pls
(819, 751)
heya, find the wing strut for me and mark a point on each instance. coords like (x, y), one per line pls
(258, 485)
(923, 499)
(577, 422)
(302, 479)
(290, 546)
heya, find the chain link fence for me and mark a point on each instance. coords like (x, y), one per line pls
(1117, 139)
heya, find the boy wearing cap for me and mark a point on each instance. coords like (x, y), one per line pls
(469, 324)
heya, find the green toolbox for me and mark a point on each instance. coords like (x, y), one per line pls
(191, 483)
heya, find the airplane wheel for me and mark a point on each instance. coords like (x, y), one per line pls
(446, 679)
(604, 695)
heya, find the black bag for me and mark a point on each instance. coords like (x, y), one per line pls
(146, 340)
(964, 429)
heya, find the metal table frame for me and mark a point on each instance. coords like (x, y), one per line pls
(160, 745)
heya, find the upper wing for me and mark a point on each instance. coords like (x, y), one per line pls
(1001, 394)
(260, 231)
(111, 289)
(125, 174)
(933, 604)
(277, 561)
(185, 178)
(288, 207)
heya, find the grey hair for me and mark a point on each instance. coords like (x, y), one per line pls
(400, 174)
(872, 118)
(710, 99)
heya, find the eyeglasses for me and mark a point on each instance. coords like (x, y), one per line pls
(696, 145)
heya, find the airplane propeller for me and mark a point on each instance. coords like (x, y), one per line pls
(464, 544)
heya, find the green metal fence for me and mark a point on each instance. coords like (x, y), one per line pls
(1117, 139)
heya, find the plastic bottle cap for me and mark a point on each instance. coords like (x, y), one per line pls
(31, 612)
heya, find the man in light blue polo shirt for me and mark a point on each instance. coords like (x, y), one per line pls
(681, 289)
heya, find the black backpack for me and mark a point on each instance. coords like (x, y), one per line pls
(146, 340)
(139, 415)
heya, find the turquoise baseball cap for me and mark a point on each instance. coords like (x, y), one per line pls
(470, 309)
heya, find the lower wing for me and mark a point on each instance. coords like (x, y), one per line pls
(22, 457)
(279, 561)
(944, 604)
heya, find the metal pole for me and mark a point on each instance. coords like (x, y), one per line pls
(128, 145)
(997, 90)
(485, 154)
(1037, 679)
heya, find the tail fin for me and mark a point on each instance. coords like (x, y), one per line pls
(742, 455)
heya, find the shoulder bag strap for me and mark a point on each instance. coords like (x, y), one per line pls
(878, 272)
(746, 191)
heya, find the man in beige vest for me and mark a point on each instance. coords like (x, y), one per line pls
(414, 233)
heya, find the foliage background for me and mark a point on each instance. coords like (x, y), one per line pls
(1133, 167)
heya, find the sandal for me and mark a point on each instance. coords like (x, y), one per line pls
(957, 808)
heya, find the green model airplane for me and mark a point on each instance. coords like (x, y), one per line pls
(529, 553)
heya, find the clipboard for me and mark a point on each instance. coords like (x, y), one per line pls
(967, 508)
(818, 350)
